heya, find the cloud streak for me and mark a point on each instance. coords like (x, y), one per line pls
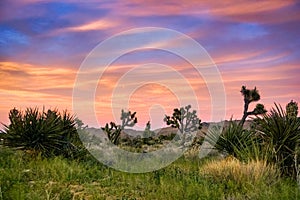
(43, 44)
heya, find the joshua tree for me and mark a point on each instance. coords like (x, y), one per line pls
(114, 131)
(292, 109)
(147, 132)
(184, 120)
(249, 97)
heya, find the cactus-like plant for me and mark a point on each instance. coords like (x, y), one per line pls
(147, 132)
(249, 97)
(47, 133)
(113, 130)
(292, 109)
(282, 134)
(185, 121)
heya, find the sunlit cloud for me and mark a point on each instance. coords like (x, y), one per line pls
(43, 44)
(34, 77)
(102, 24)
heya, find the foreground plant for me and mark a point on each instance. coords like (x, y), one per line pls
(232, 139)
(281, 131)
(47, 133)
(239, 173)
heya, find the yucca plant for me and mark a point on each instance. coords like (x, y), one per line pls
(232, 139)
(281, 132)
(253, 150)
(47, 133)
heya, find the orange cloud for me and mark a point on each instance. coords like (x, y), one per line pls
(101, 24)
(236, 8)
(25, 85)
(30, 77)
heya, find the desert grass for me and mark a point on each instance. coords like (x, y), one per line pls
(231, 169)
(24, 177)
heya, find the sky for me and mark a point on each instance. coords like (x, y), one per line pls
(45, 43)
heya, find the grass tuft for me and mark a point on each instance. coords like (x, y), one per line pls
(231, 169)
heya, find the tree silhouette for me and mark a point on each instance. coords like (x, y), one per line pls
(114, 131)
(184, 120)
(249, 97)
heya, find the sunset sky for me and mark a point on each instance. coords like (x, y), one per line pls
(43, 43)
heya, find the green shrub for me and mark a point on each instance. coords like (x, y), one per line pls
(281, 132)
(232, 139)
(47, 133)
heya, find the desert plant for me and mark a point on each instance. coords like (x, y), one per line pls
(232, 139)
(113, 130)
(292, 109)
(281, 132)
(185, 121)
(147, 132)
(249, 97)
(47, 133)
(231, 169)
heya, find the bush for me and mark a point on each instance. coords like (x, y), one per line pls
(47, 133)
(232, 139)
(281, 132)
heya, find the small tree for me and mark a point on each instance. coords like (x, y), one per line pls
(249, 97)
(114, 131)
(184, 120)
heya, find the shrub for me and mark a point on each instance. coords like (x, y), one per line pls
(232, 139)
(46, 133)
(281, 132)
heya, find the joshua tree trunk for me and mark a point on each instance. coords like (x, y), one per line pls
(250, 96)
(245, 115)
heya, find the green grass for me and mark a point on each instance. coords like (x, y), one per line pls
(23, 177)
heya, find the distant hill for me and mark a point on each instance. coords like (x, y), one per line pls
(131, 133)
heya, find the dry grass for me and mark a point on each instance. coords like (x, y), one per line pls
(231, 169)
